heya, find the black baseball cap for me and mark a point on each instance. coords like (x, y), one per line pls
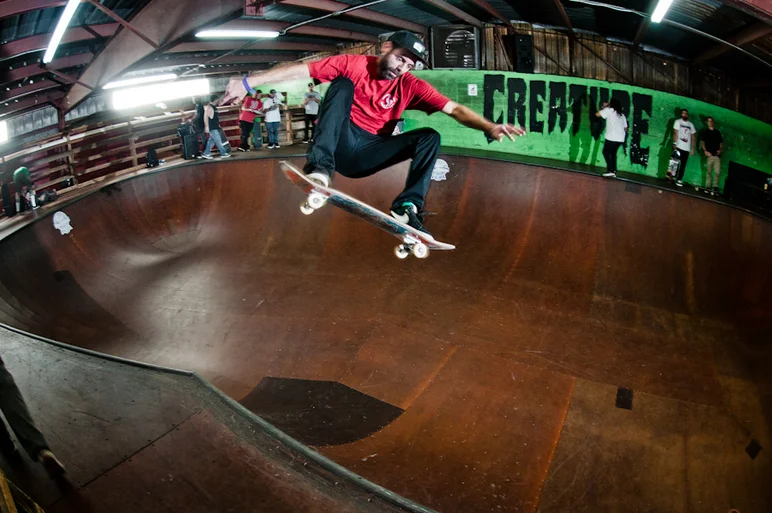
(410, 42)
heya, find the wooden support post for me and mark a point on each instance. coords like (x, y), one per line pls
(288, 123)
(132, 147)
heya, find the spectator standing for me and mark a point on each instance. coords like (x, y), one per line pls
(683, 142)
(312, 101)
(250, 107)
(25, 187)
(616, 131)
(212, 128)
(271, 107)
(712, 144)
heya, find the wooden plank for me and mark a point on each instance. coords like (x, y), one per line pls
(54, 182)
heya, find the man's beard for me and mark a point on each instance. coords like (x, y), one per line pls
(386, 72)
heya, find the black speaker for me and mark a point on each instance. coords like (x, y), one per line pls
(520, 50)
(190, 146)
(746, 184)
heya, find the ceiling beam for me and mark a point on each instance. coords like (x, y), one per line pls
(485, 6)
(125, 24)
(455, 11)
(643, 27)
(40, 42)
(32, 102)
(33, 70)
(307, 30)
(746, 36)
(564, 21)
(761, 9)
(178, 61)
(272, 45)
(10, 8)
(19, 92)
(329, 6)
(162, 21)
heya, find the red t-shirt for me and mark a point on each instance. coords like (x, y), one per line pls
(250, 103)
(378, 104)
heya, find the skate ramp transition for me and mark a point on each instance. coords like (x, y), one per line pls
(589, 344)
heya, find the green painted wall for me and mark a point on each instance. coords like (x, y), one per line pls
(746, 140)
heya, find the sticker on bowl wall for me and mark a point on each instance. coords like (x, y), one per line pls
(440, 171)
(62, 223)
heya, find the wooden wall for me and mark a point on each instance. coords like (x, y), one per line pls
(591, 56)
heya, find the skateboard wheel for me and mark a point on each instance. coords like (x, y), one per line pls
(306, 209)
(401, 252)
(420, 250)
(316, 200)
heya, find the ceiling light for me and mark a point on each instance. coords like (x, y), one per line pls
(237, 34)
(157, 93)
(139, 80)
(660, 10)
(61, 26)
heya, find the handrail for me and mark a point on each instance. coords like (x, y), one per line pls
(86, 154)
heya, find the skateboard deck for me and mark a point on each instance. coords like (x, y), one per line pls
(413, 241)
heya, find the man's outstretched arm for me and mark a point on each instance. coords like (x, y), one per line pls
(471, 119)
(236, 89)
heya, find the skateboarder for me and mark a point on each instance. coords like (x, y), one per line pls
(366, 98)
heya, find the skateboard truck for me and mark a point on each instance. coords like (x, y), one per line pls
(314, 202)
(411, 245)
(319, 194)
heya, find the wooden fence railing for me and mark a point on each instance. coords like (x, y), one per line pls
(66, 161)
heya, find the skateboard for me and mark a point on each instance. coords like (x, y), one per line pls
(412, 240)
(673, 164)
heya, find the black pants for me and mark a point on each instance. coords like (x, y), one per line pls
(610, 150)
(340, 145)
(16, 413)
(246, 131)
(310, 120)
(684, 155)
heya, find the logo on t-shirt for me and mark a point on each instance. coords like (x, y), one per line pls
(388, 101)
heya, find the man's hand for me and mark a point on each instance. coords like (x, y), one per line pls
(498, 132)
(234, 91)
(707, 153)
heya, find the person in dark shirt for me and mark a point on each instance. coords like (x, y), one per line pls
(712, 144)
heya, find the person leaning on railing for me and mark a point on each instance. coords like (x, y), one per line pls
(24, 187)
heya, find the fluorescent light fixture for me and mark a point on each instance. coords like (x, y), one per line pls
(237, 34)
(56, 38)
(660, 10)
(3, 131)
(157, 93)
(139, 80)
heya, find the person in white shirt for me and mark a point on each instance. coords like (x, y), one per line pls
(272, 118)
(616, 132)
(311, 102)
(683, 142)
